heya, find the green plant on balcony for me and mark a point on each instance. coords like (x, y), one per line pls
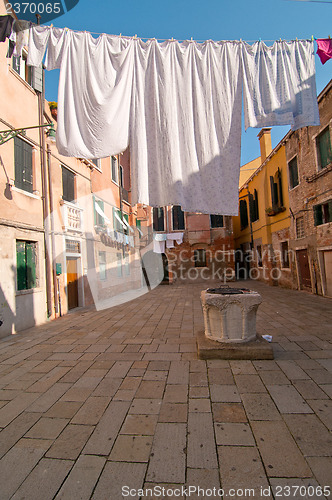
(270, 211)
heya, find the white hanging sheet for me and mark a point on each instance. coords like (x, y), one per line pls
(178, 106)
(279, 85)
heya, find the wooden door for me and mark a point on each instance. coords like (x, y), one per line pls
(72, 283)
(328, 272)
(304, 269)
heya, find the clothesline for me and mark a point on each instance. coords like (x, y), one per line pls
(128, 37)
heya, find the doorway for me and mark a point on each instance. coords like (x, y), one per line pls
(303, 269)
(328, 272)
(72, 282)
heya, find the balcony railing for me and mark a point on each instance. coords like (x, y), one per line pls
(72, 217)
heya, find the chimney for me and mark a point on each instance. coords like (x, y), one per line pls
(264, 137)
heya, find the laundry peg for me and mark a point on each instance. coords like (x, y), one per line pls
(135, 36)
(312, 38)
(120, 35)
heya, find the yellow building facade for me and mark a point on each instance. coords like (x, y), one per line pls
(261, 230)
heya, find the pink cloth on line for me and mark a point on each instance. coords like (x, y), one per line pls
(324, 49)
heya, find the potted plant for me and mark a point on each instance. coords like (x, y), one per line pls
(54, 109)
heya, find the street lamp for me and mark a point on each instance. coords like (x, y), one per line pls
(6, 135)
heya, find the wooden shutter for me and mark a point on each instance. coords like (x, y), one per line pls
(324, 146)
(178, 217)
(318, 215)
(19, 162)
(27, 171)
(256, 204)
(273, 196)
(68, 185)
(30, 264)
(243, 214)
(281, 198)
(21, 265)
(37, 78)
(158, 219)
(251, 208)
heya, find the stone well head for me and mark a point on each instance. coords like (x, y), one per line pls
(230, 314)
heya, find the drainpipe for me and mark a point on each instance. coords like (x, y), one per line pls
(45, 197)
(120, 198)
(55, 288)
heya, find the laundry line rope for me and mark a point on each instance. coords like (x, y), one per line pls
(135, 37)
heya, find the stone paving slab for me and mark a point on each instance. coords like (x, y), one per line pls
(98, 400)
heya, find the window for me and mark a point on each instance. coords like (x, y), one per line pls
(19, 65)
(26, 264)
(119, 264)
(127, 265)
(138, 225)
(293, 173)
(284, 254)
(96, 162)
(73, 246)
(99, 218)
(253, 206)
(276, 190)
(117, 217)
(31, 75)
(68, 185)
(158, 219)
(216, 221)
(323, 213)
(200, 257)
(125, 218)
(299, 223)
(324, 150)
(115, 174)
(23, 165)
(178, 218)
(102, 265)
(259, 255)
(243, 214)
(121, 175)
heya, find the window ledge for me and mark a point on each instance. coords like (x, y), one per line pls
(28, 291)
(26, 193)
(321, 172)
(26, 84)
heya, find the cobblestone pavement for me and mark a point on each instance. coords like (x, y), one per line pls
(99, 400)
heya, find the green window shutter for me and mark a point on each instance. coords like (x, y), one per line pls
(330, 211)
(279, 187)
(21, 265)
(256, 205)
(100, 218)
(27, 162)
(318, 215)
(138, 225)
(68, 185)
(94, 210)
(178, 217)
(31, 265)
(274, 195)
(293, 173)
(324, 148)
(37, 78)
(126, 217)
(251, 208)
(243, 214)
(16, 64)
(19, 162)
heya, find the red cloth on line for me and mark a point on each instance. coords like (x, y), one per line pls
(324, 49)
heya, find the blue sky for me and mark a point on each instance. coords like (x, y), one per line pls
(202, 20)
